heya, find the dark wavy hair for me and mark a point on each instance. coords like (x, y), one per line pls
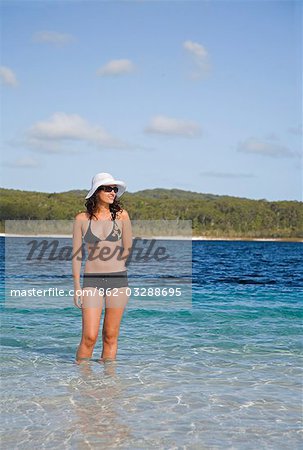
(91, 205)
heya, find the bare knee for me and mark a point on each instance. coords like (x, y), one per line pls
(110, 337)
(89, 340)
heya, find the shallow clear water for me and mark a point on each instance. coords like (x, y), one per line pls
(224, 374)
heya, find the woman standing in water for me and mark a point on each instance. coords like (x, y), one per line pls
(106, 229)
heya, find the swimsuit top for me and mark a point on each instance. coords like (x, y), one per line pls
(91, 238)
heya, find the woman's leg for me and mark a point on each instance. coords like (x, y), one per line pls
(92, 305)
(114, 309)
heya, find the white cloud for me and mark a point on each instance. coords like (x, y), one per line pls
(196, 49)
(200, 58)
(50, 135)
(264, 148)
(53, 37)
(116, 67)
(214, 174)
(8, 76)
(173, 127)
(23, 163)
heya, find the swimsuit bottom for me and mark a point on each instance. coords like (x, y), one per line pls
(109, 280)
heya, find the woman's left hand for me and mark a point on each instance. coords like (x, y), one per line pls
(76, 300)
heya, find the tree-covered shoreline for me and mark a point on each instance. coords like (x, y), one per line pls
(212, 216)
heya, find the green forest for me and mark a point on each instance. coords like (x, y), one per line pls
(211, 215)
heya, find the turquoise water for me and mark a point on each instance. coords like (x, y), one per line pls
(225, 373)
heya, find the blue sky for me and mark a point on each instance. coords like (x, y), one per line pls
(201, 96)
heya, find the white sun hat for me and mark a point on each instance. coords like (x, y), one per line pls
(106, 179)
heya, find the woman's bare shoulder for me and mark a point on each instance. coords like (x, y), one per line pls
(123, 215)
(81, 216)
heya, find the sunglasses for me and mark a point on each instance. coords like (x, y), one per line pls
(108, 189)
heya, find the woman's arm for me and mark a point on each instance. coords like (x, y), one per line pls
(127, 235)
(77, 250)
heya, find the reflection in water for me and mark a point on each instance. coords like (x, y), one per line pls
(96, 404)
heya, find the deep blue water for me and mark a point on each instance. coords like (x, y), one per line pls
(223, 371)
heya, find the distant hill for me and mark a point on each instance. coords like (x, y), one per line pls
(81, 193)
(211, 215)
(175, 193)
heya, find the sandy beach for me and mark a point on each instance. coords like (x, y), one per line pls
(193, 238)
